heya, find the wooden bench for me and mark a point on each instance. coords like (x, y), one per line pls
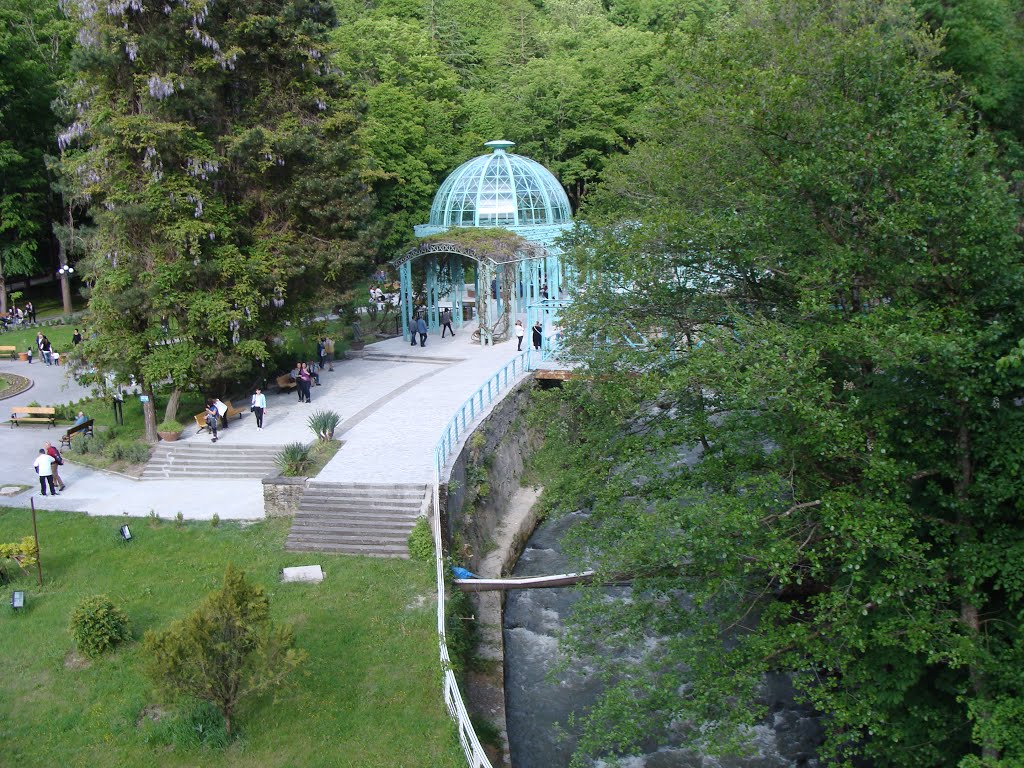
(85, 427)
(231, 411)
(286, 382)
(9, 350)
(27, 413)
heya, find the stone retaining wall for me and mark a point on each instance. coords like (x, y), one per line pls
(281, 495)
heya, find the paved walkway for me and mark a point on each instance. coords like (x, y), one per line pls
(393, 411)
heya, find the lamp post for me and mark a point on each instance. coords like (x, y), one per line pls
(65, 272)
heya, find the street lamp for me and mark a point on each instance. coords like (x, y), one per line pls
(65, 271)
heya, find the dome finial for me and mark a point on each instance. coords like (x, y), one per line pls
(499, 145)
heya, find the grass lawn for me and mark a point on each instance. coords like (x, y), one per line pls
(369, 694)
(25, 338)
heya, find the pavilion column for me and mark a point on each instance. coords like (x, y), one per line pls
(433, 311)
(485, 274)
(458, 273)
(405, 297)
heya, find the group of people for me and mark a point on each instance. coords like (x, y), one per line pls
(537, 335)
(46, 465)
(16, 315)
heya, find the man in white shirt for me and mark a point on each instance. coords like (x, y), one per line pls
(44, 468)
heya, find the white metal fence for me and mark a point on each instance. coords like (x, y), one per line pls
(457, 428)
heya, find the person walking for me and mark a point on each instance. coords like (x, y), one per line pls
(44, 468)
(222, 412)
(30, 312)
(520, 332)
(47, 350)
(212, 417)
(421, 328)
(538, 335)
(321, 353)
(329, 352)
(58, 461)
(413, 330)
(259, 407)
(446, 322)
(76, 339)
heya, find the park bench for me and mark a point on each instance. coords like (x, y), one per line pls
(85, 427)
(286, 381)
(28, 413)
(9, 350)
(231, 411)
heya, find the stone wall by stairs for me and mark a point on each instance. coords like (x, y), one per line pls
(211, 461)
(357, 519)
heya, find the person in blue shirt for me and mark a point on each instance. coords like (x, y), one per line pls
(421, 327)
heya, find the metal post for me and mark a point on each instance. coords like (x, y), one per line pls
(35, 534)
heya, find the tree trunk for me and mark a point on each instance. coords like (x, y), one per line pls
(3, 292)
(149, 414)
(65, 282)
(171, 413)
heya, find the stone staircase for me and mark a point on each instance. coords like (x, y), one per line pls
(211, 461)
(356, 518)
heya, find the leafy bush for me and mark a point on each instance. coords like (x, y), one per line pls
(215, 520)
(293, 460)
(421, 541)
(98, 626)
(131, 451)
(460, 629)
(170, 426)
(323, 424)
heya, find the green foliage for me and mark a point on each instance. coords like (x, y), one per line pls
(24, 553)
(226, 650)
(421, 541)
(228, 178)
(179, 520)
(293, 460)
(323, 424)
(215, 520)
(460, 629)
(99, 626)
(195, 724)
(796, 417)
(170, 426)
(131, 451)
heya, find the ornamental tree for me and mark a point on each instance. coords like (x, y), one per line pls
(214, 146)
(226, 650)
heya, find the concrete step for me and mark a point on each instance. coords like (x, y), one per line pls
(208, 460)
(330, 525)
(342, 502)
(348, 549)
(351, 537)
(210, 475)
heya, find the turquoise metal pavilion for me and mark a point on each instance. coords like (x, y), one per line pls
(506, 191)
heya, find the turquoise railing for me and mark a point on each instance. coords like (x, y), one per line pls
(457, 428)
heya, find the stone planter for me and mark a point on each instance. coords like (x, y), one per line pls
(357, 346)
(23, 356)
(169, 437)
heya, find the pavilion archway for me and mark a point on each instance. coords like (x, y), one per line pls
(511, 276)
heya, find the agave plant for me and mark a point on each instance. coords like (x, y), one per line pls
(323, 424)
(293, 460)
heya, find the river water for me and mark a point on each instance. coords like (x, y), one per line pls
(538, 707)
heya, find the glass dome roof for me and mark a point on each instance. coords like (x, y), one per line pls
(500, 190)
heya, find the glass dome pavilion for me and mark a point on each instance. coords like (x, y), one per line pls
(501, 189)
(504, 190)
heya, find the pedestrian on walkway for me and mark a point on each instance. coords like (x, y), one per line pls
(30, 312)
(44, 468)
(259, 407)
(58, 461)
(321, 353)
(76, 339)
(47, 350)
(538, 335)
(520, 332)
(212, 417)
(305, 383)
(329, 352)
(222, 412)
(414, 326)
(421, 328)
(446, 322)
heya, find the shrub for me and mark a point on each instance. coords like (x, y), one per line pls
(170, 426)
(421, 541)
(179, 520)
(215, 520)
(460, 629)
(127, 450)
(293, 460)
(323, 424)
(98, 626)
